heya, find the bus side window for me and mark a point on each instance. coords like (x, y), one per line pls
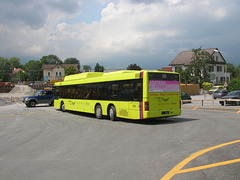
(115, 91)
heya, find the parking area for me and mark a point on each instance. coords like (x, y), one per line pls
(207, 101)
(45, 143)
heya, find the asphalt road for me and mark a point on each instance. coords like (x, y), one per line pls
(45, 143)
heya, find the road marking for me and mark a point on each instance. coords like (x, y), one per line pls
(177, 168)
(208, 166)
(211, 109)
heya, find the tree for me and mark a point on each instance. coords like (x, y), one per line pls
(51, 59)
(14, 62)
(232, 70)
(34, 70)
(70, 70)
(234, 84)
(72, 61)
(86, 68)
(20, 75)
(5, 69)
(199, 65)
(98, 68)
(134, 67)
(184, 75)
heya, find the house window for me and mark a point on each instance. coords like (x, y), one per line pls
(56, 73)
(58, 67)
(216, 58)
(176, 69)
(222, 79)
(211, 68)
(219, 68)
(48, 73)
(60, 74)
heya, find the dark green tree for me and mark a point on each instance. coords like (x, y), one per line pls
(184, 75)
(5, 69)
(72, 61)
(70, 70)
(234, 84)
(232, 70)
(51, 59)
(199, 65)
(87, 68)
(20, 76)
(34, 70)
(99, 68)
(134, 67)
(14, 62)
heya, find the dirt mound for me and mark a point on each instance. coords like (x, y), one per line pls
(16, 94)
(23, 90)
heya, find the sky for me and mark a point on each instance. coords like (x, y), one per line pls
(116, 33)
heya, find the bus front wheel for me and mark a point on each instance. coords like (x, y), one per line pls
(112, 113)
(98, 112)
(62, 107)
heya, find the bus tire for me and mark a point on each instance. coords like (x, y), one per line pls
(62, 107)
(112, 113)
(98, 111)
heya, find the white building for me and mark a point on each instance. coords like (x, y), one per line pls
(217, 70)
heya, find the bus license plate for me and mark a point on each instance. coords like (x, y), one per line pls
(165, 112)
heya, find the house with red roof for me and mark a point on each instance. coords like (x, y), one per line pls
(217, 70)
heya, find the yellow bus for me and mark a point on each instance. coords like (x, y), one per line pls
(121, 94)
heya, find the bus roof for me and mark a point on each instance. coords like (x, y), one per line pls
(92, 77)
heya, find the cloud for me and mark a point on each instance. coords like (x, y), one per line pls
(148, 33)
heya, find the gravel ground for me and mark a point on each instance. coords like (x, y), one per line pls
(16, 94)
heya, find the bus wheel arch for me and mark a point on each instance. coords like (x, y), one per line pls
(62, 107)
(98, 111)
(112, 112)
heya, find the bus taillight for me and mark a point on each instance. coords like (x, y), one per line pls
(147, 106)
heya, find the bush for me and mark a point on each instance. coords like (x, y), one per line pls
(206, 86)
(234, 84)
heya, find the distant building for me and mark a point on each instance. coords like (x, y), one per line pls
(13, 76)
(217, 70)
(169, 69)
(55, 71)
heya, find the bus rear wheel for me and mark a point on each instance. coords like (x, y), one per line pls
(112, 113)
(98, 111)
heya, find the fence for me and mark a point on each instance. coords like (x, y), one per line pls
(213, 102)
(6, 88)
(191, 89)
(41, 86)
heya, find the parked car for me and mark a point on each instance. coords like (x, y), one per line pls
(40, 97)
(231, 95)
(215, 88)
(185, 96)
(220, 93)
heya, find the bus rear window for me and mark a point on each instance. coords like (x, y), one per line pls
(163, 82)
(163, 76)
